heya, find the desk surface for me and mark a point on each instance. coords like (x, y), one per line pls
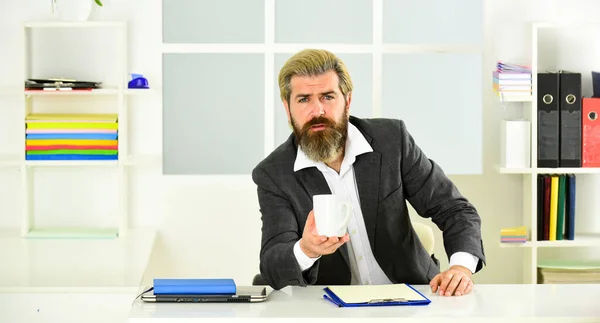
(517, 303)
(42, 265)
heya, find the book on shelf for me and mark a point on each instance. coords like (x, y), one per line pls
(556, 207)
(502, 66)
(71, 137)
(512, 81)
(568, 272)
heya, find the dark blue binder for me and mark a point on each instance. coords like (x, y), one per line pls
(180, 286)
(570, 208)
(336, 300)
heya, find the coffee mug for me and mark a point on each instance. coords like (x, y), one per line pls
(332, 214)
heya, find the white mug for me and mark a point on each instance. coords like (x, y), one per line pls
(332, 215)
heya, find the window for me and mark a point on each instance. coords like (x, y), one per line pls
(419, 61)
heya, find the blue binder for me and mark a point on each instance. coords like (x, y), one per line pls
(179, 286)
(420, 299)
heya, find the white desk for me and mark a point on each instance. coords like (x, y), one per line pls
(486, 303)
(71, 280)
(76, 265)
(66, 307)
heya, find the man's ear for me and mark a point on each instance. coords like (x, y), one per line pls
(348, 100)
(287, 110)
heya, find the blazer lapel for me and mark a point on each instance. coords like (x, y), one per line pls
(314, 182)
(367, 169)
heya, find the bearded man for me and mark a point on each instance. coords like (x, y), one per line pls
(377, 166)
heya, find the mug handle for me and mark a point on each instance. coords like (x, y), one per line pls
(348, 211)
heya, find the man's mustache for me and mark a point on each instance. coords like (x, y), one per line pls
(318, 120)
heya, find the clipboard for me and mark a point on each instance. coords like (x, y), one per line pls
(375, 295)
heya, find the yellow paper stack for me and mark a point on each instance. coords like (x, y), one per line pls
(513, 235)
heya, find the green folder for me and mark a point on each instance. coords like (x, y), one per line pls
(73, 152)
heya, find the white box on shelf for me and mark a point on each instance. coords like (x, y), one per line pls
(516, 144)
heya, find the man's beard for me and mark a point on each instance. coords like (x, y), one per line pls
(324, 145)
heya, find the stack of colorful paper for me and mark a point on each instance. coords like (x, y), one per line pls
(71, 137)
(512, 235)
(512, 82)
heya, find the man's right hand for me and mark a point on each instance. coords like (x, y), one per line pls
(314, 245)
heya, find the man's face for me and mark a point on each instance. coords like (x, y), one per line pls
(318, 113)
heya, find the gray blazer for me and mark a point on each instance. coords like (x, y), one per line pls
(395, 172)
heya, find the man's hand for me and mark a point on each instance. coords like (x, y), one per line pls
(314, 245)
(454, 281)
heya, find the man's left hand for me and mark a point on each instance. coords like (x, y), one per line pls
(454, 281)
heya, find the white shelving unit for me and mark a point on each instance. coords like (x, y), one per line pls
(543, 59)
(118, 91)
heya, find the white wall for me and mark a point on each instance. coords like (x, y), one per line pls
(210, 226)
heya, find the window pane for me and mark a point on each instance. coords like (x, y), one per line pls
(318, 21)
(209, 21)
(360, 69)
(433, 21)
(213, 113)
(442, 109)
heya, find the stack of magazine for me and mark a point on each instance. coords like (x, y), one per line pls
(569, 272)
(512, 82)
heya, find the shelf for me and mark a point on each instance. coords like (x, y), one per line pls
(138, 91)
(61, 163)
(565, 170)
(581, 240)
(576, 24)
(516, 244)
(104, 91)
(73, 264)
(515, 99)
(132, 160)
(74, 24)
(504, 170)
(73, 233)
(578, 170)
(7, 91)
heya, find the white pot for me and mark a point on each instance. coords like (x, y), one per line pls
(74, 10)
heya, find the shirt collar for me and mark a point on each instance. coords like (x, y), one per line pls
(356, 144)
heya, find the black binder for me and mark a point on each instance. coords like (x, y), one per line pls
(548, 134)
(570, 119)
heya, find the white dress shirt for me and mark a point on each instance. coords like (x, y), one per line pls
(365, 269)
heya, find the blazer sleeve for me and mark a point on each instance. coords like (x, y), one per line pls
(280, 231)
(433, 195)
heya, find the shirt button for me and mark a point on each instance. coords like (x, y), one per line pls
(360, 258)
(353, 231)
